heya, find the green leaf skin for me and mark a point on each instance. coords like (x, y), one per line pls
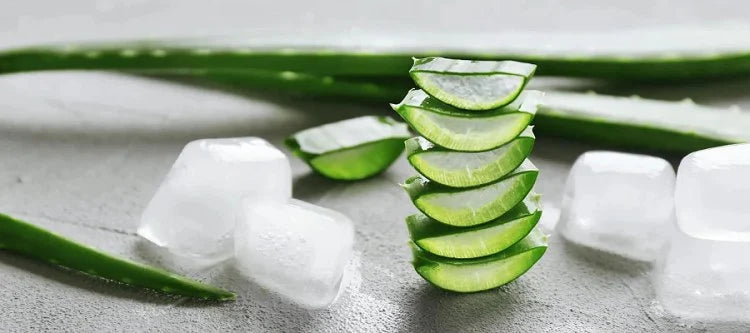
(655, 65)
(27, 239)
(472, 275)
(351, 149)
(471, 85)
(463, 169)
(464, 207)
(478, 241)
(633, 122)
(454, 129)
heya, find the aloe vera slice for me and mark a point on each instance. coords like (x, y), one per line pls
(634, 122)
(478, 241)
(467, 169)
(472, 275)
(27, 239)
(465, 207)
(471, 84)
(350, 149)
(454, 129)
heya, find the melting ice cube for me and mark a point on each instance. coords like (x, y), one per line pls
(620, 203)
(712, 195)
(194, 210)
(296, 249)
(704, 279)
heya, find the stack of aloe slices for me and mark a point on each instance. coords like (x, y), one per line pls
(476, 230)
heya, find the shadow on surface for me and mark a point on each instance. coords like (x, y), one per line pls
(602, 259)
(86, 282)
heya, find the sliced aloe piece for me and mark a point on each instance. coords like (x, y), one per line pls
(478, 241)
(452, 128)
(467, 169)
(471, 275)
(471, 84)
(635, 122)
(350, 149)
(465, 207)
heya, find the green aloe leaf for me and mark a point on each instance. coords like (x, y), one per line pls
(465, 207)
(472, 275)
(27, 239)
(665, 55)
(478, 241)
(633, 122)
(467, 169)
(471, 84)
(350, 149)
(452, 128)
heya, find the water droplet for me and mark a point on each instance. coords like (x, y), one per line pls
(590, 92)
(92, 54)
(687, 101)
(735, 108)
(128, 53)
(635, 97)
(158, 53)
(327, 80)
(287, 75)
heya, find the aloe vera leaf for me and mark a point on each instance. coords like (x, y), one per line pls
(350, 149)
(286, 81)
(463, 207)
(454, 129)
(478, 241)
(472, 275)
(30, 240)
(633, 122)
(471, 84)
(468, 169)
(616, 121)
(567, 57)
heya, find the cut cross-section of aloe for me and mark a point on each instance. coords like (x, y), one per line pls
(471, 84)
(465, 207)
(455, 129)
(478, 241)
(634, 122)
(471, 275)
(350, 149)
(467, 169)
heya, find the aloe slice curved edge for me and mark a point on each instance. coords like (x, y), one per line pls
(473, 85)
(452, 128)
(350, 149)
(464, 169)
(465, 207)
(478, 241)
(27, 239)
(473, 275)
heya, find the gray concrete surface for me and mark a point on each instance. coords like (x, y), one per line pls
(81, 154)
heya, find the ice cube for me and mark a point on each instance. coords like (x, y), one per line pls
(704, 279)
(712, 196)
(619, 203)
(296, 249)
(194, 210)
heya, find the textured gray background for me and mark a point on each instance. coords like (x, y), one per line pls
(81, 154)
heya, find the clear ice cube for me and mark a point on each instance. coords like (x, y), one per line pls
(619, 203)
(712, 196)
(296, 249)
(193, 212)
(704, 279)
